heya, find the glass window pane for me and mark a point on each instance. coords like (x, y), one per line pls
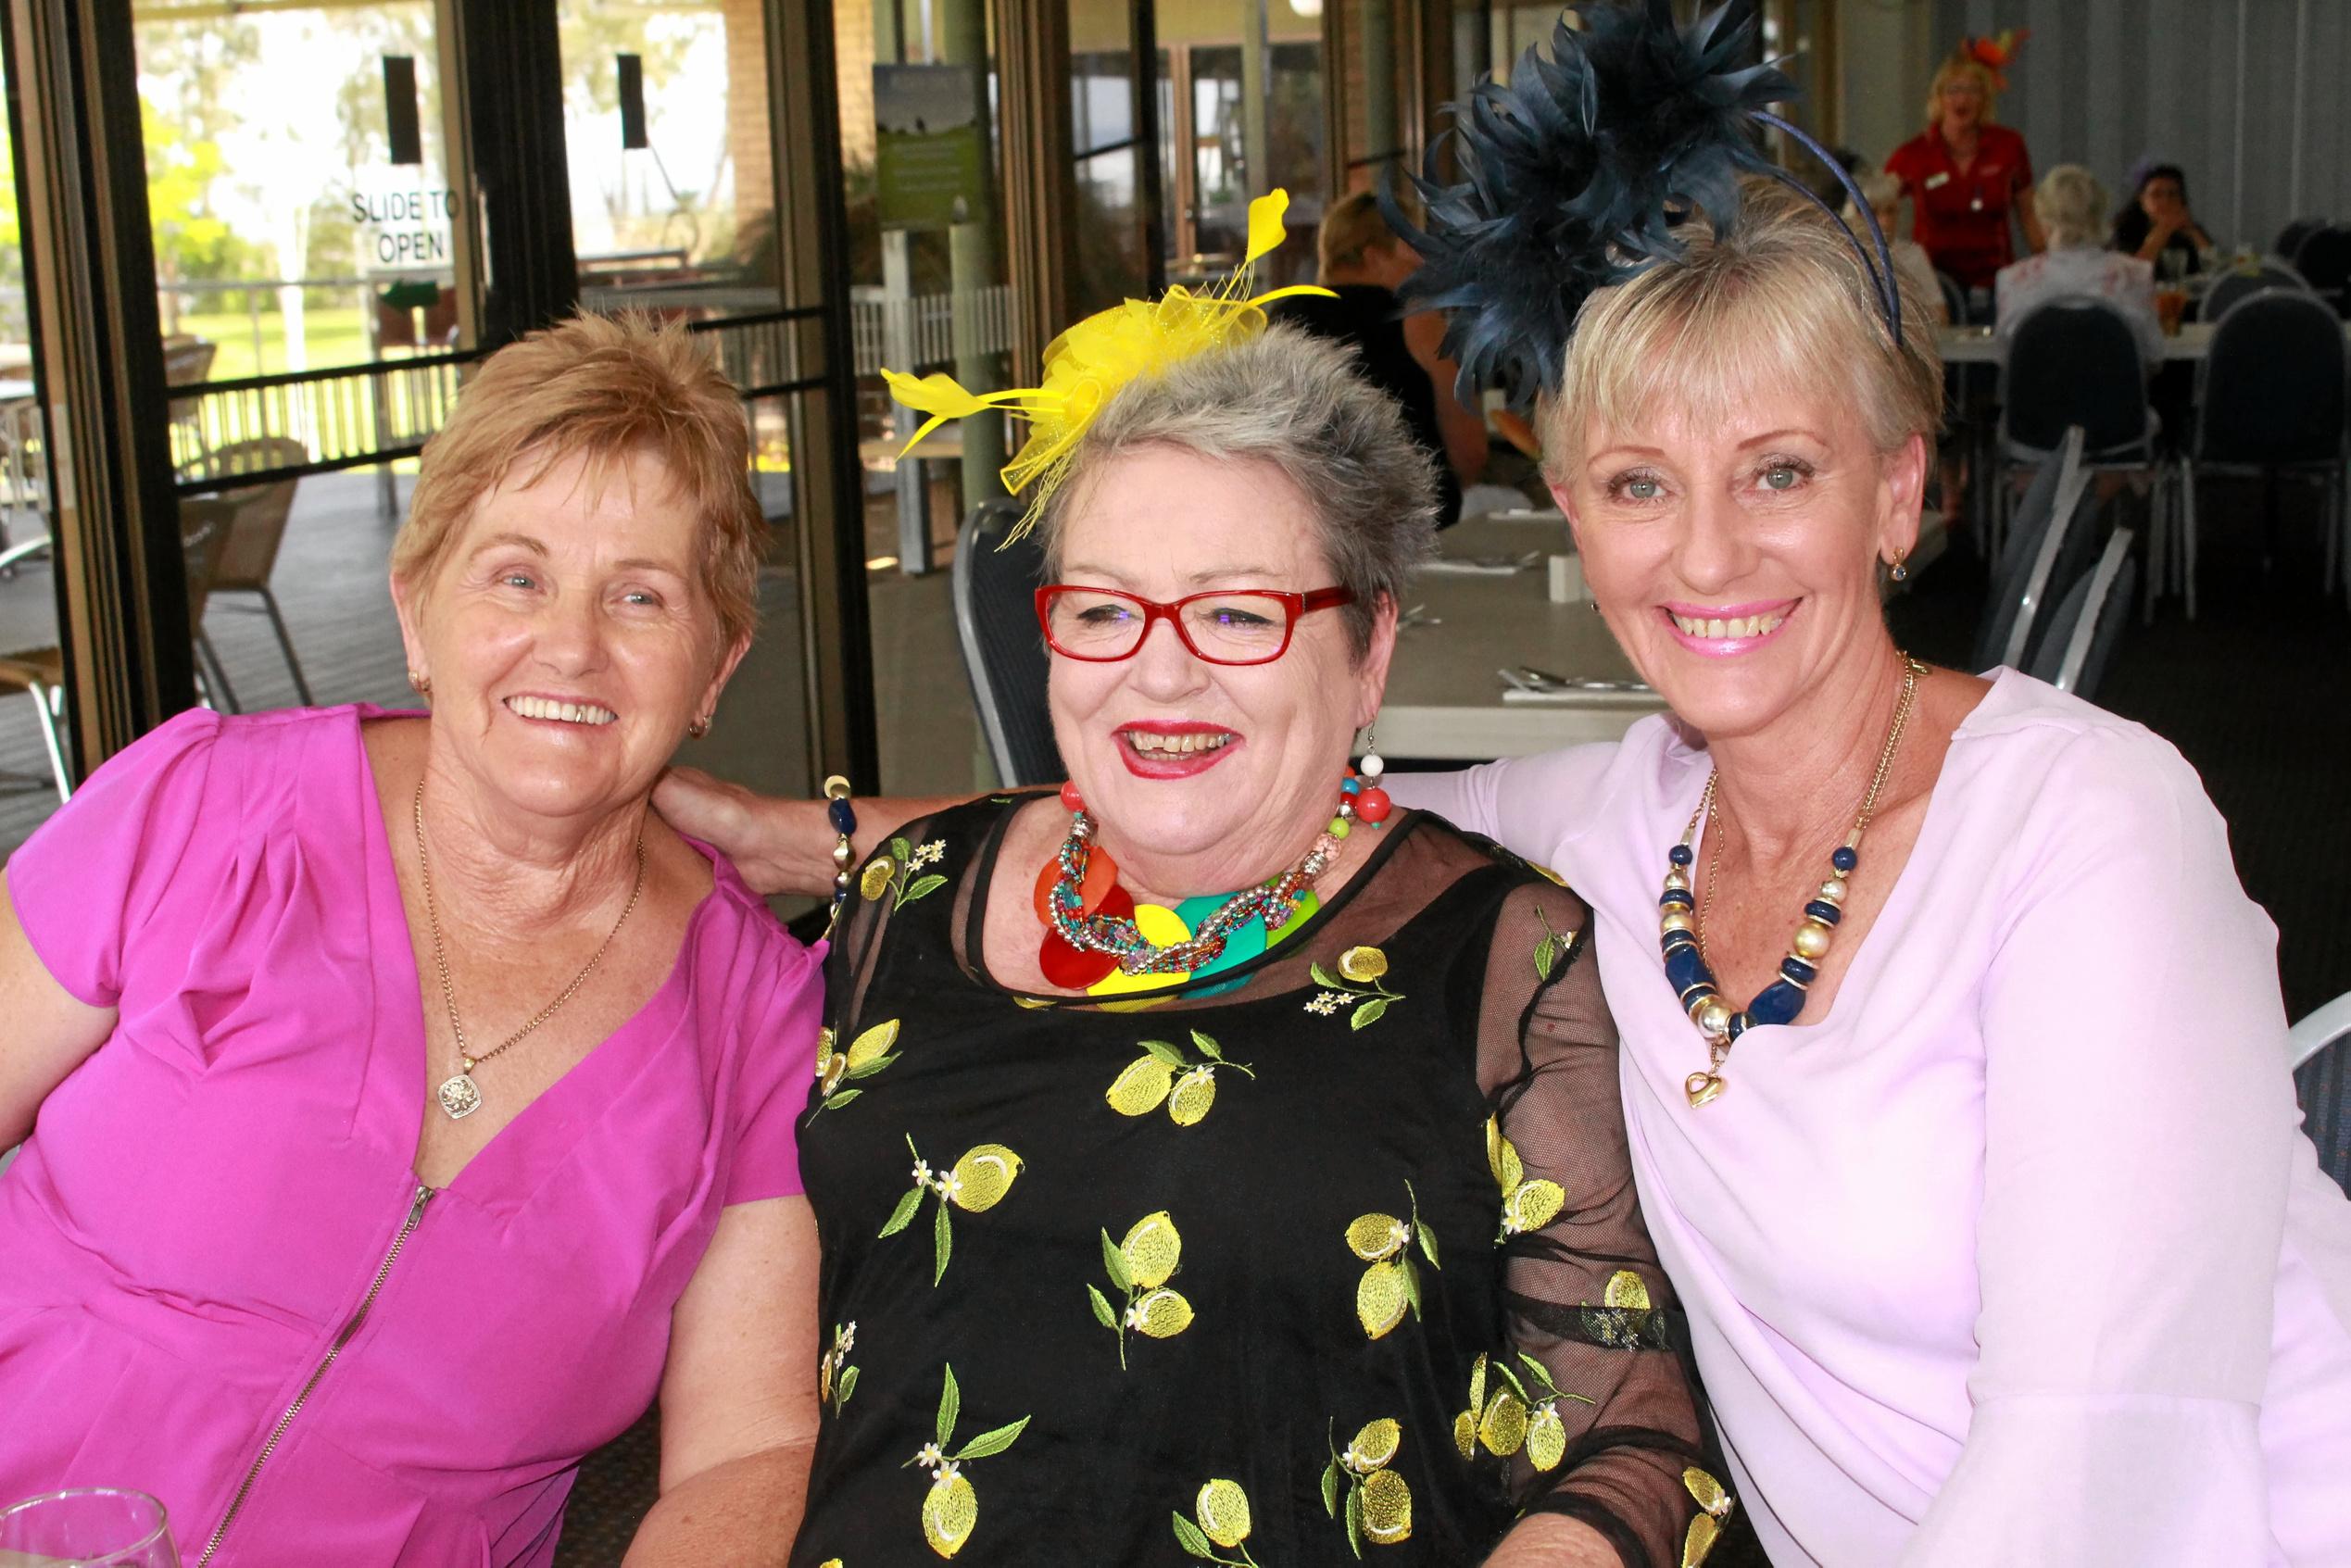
(672, 183)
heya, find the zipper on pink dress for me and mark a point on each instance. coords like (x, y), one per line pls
(350, 1327)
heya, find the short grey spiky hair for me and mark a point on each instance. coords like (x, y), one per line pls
(1296, 401)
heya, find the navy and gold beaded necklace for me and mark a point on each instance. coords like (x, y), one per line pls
(1682, 929)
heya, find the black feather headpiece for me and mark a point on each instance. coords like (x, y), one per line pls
(1573, 173)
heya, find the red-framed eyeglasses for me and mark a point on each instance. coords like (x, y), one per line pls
(1222, 626)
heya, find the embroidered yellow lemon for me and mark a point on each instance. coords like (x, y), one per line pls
(1465, 1433)
(948, 1512)
(1624, 1289)
(1388, 1508)
(1501, 1158)
(1375, 1446)
(1546, 1437)
(1707, 1526)
(824, 1050)
(1503, 1429)
(1163, 1314)
(1152, 1249)
(1195, 1092)
(1534, 1205)
(1139, 1089)
(877, 878)
(982, 1176)
(1223, 1510)
(1374, 1238)
(872, 1045)
(1381, 1298)
(1362, 964)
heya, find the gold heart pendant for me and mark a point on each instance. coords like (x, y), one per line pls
(1700, 1087)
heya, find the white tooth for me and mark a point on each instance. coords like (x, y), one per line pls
(1750, 626)
(1770, 624)
(1715, 627)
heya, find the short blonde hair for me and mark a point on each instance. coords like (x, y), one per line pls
(1780, 300)
(2072, 206)
(1353, 225)
(607, 388)
(1954, 68)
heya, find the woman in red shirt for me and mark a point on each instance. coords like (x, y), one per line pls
(1963, 174)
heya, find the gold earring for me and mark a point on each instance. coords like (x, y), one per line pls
(1898, 572)
(419, 680)
(699, 727)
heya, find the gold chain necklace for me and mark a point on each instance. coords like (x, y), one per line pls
(1681, 923)
(458, 1095)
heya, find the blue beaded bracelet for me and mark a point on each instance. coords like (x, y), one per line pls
(843, 819)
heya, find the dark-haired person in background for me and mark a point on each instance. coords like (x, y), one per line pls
(1362, 261)
(2157, 227)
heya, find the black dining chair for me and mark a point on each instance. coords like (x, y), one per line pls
(2290, 238)
(2075, 361)
(2087, 625)
(2232, 286)
(994, 586)
(2324, 260)
(2271, 400)
(2319, 1047)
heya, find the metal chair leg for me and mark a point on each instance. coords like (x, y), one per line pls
(285, 642)
(215, 675)
(2188, 543)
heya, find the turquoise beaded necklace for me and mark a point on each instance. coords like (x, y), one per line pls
(1682, 930)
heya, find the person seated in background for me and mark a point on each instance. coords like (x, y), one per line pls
(2157, 227)
(407, 1102)
(1884, 193)
(2073, 212)
(1361, 262)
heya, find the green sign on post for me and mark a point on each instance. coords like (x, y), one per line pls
(930, 147)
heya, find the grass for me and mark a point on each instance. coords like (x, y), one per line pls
(330, 337)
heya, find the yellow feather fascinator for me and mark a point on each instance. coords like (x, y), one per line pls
(1087, 365)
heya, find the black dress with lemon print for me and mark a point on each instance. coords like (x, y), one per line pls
(1331, 1257)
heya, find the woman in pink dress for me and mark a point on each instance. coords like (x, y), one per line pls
(406, 1104)
(1953, 1061)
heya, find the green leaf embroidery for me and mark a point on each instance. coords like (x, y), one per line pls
(839, 1097)
(1189, 1536)
(1502, 1370)
(951, 1405)
(901, 851)
(1102, 1309)
(868, 1069)
(922, 888)
(1546, 955)
(903, 1215)
(1207, 1046)
(942, 1241)
(1114, 1261)
(992, 1442)
(1427, 1244)
(1355, 1521)
(1330, 1488)
(1369, 1014)
(1323, 978)
(1166, 1052)
(844, 1389)
(1412, 1286)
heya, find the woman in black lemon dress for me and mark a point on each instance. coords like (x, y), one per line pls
(1289, 1247)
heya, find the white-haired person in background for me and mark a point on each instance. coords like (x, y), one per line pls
(1911, 262)
(2074, 209)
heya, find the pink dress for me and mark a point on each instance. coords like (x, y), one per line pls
(2017, 1256)
(209, 1203)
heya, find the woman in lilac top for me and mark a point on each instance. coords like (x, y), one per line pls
(2001, 1245)
(337, 1282)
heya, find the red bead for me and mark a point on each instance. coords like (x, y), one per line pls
(1071, 799)
(1373, 806)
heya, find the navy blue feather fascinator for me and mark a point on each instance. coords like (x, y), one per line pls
(1573, 174)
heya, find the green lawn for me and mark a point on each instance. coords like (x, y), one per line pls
(330, 337)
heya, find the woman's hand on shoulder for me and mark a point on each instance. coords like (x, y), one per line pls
(1552, 1540)
(763, 836)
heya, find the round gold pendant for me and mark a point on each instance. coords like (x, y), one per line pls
(1700, 1086)
(460, 1097)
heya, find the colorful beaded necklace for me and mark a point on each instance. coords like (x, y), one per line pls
(1097, 938)
(1682, 925)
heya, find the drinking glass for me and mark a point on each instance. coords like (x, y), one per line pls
(95, 1527)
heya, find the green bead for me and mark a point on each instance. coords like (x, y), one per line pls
(1339, 828)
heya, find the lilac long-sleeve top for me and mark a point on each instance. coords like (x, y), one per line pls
(2017, 1255)
(217, 1220)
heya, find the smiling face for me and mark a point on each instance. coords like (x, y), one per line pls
(1737, 560)
(1224, 772)
(568, 637)
(1962, 98)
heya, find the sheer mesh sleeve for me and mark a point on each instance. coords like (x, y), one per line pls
(1592, 1321)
